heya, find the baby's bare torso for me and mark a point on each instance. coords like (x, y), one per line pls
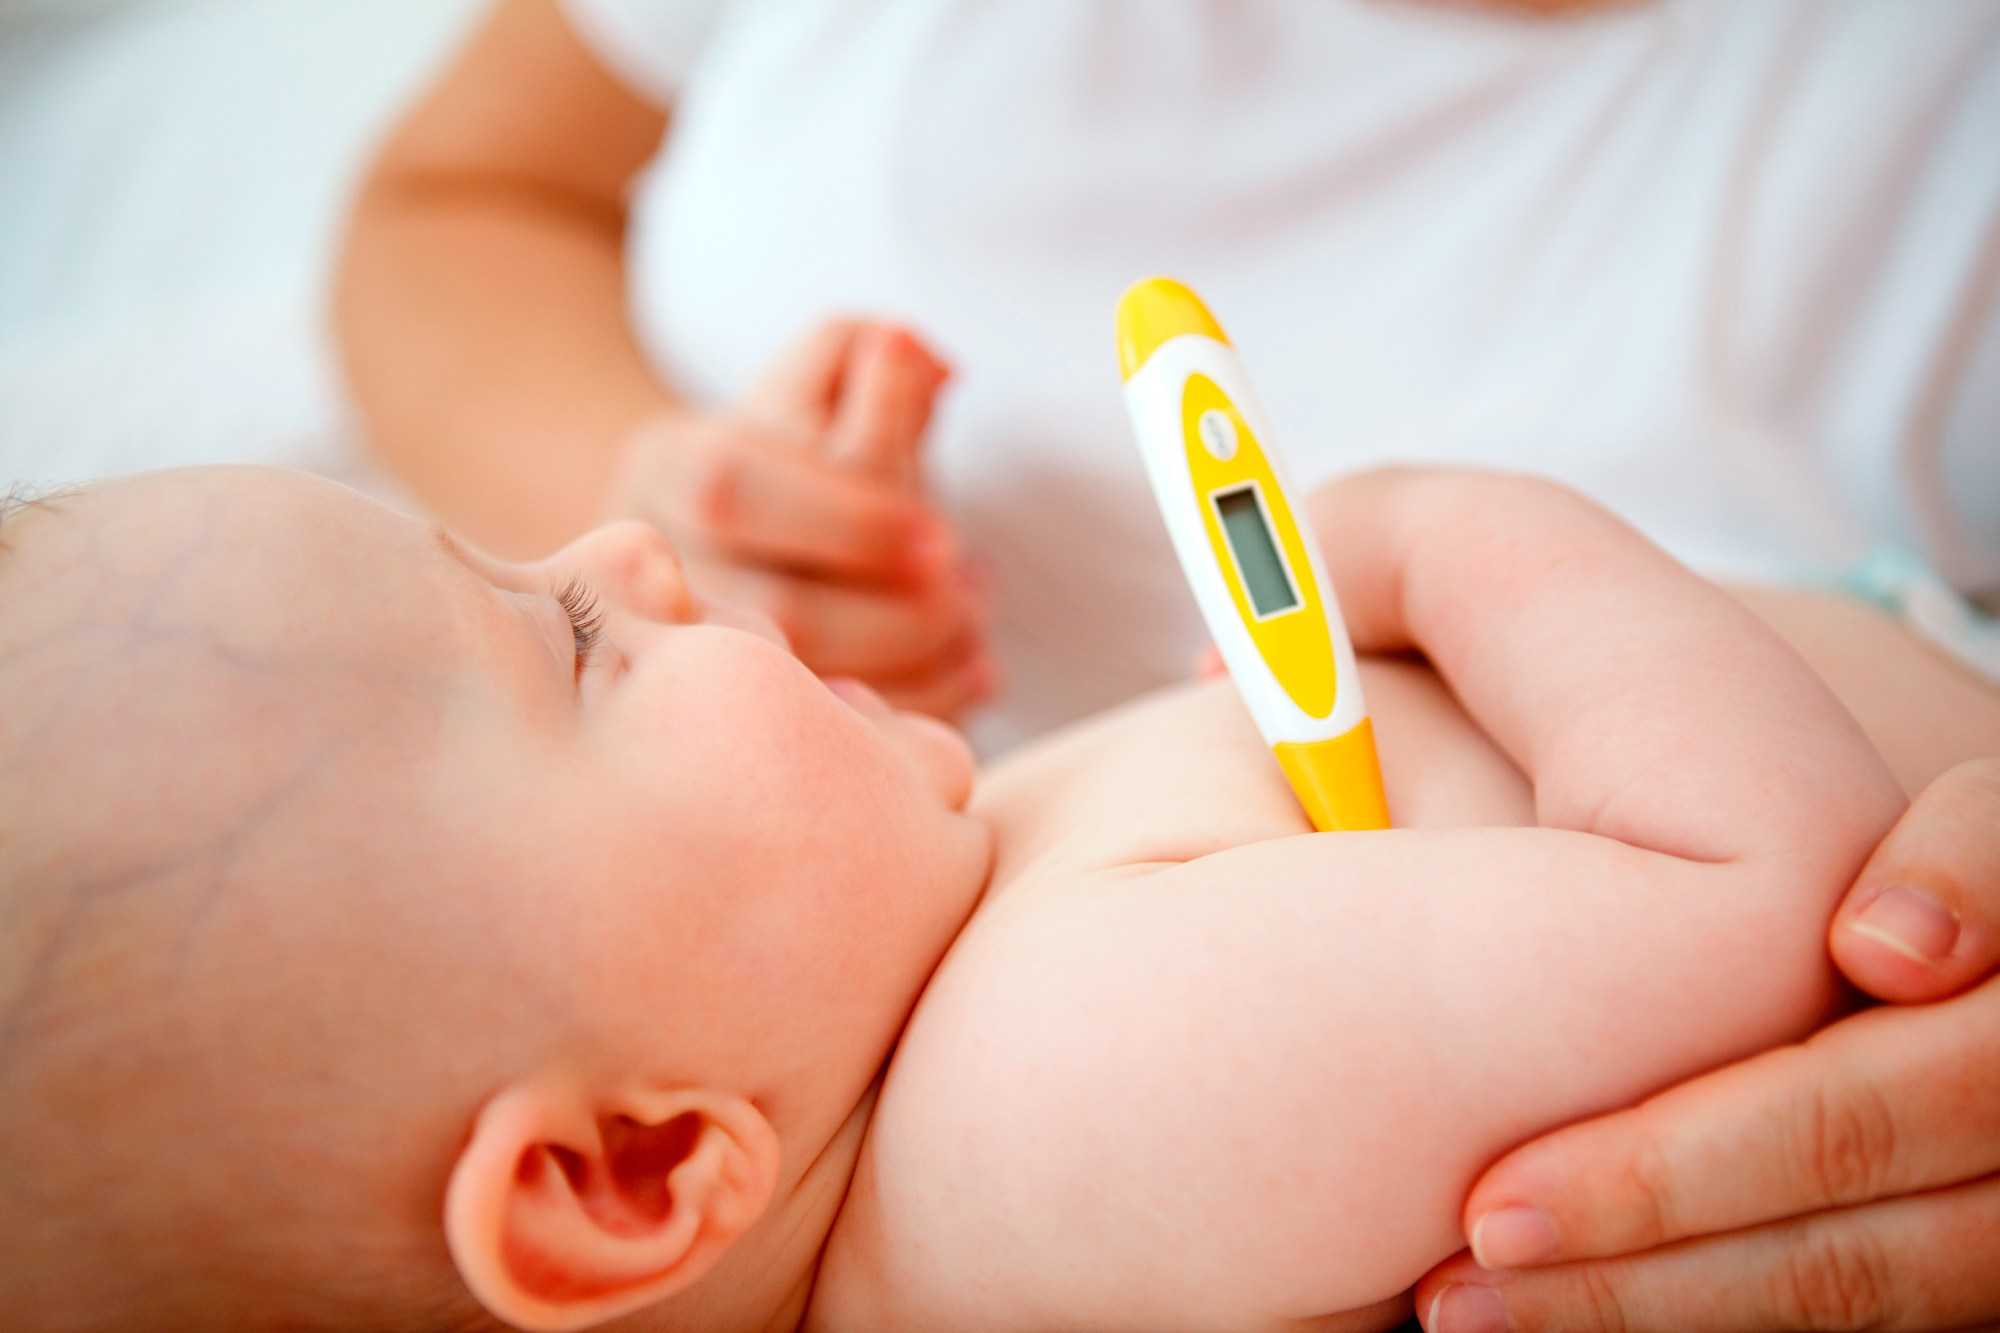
(1171, 778)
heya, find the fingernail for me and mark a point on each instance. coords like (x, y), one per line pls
(1467, 1310)
(1911, 923)
(1513, 1238)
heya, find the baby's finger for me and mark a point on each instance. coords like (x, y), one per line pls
(1596, 661)
(885, 403)
(1885, 1103)
(1923, 919)
(747, 491)
(1928, 1261)
(844, 629)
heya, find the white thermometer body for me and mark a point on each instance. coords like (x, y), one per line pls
(1247, 552)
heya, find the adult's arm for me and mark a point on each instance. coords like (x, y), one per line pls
(480, 303)
(482, 313)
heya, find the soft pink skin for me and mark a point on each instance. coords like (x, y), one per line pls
(336, 893)
(1192, 1066)
(1850, 1181)
(805, 500)
(328, 842)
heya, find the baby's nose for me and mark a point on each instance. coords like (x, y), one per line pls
(634, 564)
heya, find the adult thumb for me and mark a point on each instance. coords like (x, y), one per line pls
(1922, 921)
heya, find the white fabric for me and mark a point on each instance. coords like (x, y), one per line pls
(651, 47)
(1731, 268)
(173, 175)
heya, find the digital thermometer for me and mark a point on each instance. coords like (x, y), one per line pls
(1247, 553)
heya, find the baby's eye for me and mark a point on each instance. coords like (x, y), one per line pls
(586, 619)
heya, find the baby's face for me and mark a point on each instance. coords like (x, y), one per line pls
(437, 808)
(795, 856)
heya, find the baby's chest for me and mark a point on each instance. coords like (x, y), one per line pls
(1171, 777)
(1183, 773)
(1068, 1012)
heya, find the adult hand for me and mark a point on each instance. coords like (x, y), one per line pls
(1849, 1182)
(804, 501)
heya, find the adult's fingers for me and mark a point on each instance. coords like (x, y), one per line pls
(803, 384)
(963, 676)
(885, 403)
(843, 629)
(1591, 656)
(738, 487)
(1884, 1103)
(1923, 919)
(1926, 1261)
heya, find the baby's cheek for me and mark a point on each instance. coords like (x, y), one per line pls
(938, 754)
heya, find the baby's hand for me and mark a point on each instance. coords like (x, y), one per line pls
(803, 501)
(1642, 703)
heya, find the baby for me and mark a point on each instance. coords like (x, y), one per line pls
(398, 939)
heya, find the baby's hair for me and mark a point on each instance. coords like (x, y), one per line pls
(11, 499)
(18, 498)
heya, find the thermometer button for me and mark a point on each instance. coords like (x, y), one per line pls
(1218, 434)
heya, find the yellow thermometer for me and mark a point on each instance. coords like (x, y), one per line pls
(1247, 553)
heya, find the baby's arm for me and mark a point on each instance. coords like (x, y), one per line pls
(1258, 1084)
(1922, 710)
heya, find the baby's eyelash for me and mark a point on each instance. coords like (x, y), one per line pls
(586, 618)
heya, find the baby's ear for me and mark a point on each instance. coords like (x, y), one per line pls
(568, 1208)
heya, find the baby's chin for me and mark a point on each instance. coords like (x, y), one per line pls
(936, 749)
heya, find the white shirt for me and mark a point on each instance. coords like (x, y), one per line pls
(1732, 269)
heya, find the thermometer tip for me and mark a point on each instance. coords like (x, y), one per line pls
(1151, 311)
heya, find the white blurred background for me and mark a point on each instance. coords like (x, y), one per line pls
(172, 176)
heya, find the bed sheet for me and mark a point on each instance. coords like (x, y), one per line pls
(172, 175)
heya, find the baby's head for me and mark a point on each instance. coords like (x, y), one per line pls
(383, 923)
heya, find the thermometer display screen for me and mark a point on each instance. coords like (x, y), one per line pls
(1256, 551)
